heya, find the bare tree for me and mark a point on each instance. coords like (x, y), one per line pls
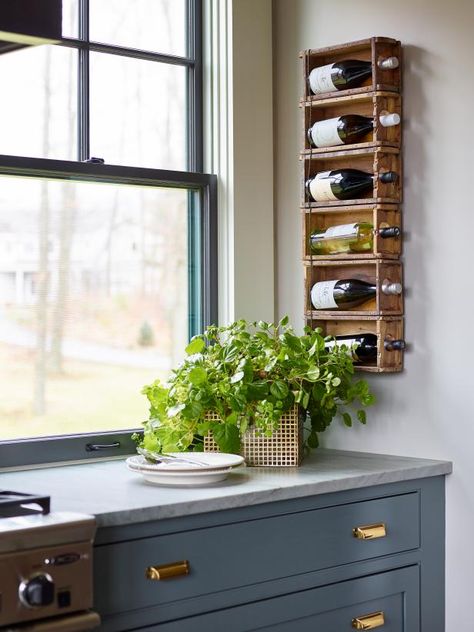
(66, 232)
(65, 235)
(40, 376)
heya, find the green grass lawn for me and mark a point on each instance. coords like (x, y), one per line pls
(88, 397)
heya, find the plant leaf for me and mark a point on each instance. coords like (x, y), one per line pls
(279, 389)
(313, 374)
(227, 438)
(237, 377)
(174, 410)
(197, 376)
(347, 419)
(313, 440)
(362, 416)
(257, 390)
(197, 345)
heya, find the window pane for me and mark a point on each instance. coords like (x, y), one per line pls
(137, 112)
(155, 25)
(93, 302)
(38, 111)
(70, 18)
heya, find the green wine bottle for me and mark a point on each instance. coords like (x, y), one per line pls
(363, 346)
(348, 238)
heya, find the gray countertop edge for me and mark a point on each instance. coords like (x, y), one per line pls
(265, 495)
(119, 497)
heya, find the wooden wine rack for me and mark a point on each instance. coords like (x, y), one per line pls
(379, 215)
(374, 160)
(378, 152)
(366, 104)
(372, 50)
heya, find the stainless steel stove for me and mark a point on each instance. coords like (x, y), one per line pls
(45, 567)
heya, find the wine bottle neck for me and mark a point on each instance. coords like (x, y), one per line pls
(389, 231)
(389, 119)
(389, 63)
(388, 177)
(390, 287)
(394, 345)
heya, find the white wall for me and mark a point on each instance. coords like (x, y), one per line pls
(425, 411)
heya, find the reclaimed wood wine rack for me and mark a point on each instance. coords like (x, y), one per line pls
(371, 160)
(379, 151)
(373, 104)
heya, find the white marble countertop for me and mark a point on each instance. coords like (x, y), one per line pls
(117, 496)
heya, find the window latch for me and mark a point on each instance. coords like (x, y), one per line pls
(95, 161)
(95, 447)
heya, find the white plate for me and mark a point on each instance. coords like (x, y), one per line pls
(189, 478)
(205, 462)
(185, 479)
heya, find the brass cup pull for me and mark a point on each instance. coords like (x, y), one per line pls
(369, 621)
(167, 571)
(370, 531)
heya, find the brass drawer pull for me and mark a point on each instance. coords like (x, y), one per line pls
(370, 531)
(167, 571)
(369, 621)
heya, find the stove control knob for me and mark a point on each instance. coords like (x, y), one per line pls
(37, 591)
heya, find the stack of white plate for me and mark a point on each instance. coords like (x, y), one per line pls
(178, 468)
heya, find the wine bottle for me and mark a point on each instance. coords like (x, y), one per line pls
(346, 129)
(345, 74)
(348, 293)
(363, 346)
(343, 238)
(343, 184)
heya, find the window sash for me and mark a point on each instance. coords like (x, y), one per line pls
(192, 62)
(203, 288)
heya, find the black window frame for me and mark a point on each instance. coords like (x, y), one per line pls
(202, 220)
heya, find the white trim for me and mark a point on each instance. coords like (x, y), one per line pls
(238, 141)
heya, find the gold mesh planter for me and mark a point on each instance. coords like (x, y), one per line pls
(283, 449)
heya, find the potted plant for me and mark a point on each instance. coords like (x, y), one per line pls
(247, 375)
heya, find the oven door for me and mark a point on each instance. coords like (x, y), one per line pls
(71, 623)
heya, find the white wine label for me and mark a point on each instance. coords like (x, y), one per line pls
(320, 79)
(343, 230)
(322, 295)
(320, 187)
(325, 134)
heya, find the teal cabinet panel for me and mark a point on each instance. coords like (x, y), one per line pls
(283, 566)
(226, 557)
(333, 608)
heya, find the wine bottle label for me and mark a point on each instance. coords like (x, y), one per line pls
(348, 342)
(320, 187)
(343, 230)
(325, 134)
(322, 295)
(320, 79)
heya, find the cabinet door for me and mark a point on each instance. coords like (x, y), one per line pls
(230, 556)
(394, 594)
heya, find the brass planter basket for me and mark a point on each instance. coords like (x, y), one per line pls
(283, 449)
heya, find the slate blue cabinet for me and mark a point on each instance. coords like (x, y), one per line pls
(287, 566)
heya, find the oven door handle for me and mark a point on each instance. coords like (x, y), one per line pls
(70, 623)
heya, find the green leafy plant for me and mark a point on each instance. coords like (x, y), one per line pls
(251, 373)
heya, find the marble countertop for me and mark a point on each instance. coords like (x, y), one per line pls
(117, 496)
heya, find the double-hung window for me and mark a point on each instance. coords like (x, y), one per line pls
(107, 225)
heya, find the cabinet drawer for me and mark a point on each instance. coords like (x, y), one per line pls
(393, 595)
(246, 553)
